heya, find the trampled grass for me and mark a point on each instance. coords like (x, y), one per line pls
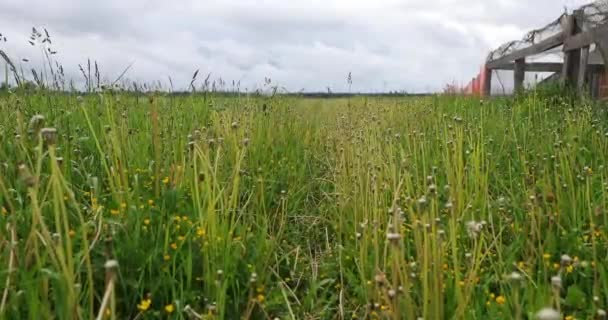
(210, 207)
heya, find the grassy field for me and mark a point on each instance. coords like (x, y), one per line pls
(208, 207)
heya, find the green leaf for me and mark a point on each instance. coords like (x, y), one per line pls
(575, 297)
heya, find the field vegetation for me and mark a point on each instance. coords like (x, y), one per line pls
(204, 206)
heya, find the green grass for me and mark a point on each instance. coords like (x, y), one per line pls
(290, 208)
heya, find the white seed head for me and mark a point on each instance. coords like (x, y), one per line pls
(566, 260)
(548, 314)
(111, 264)
(393, 237)
(515, 277)
(474, 228)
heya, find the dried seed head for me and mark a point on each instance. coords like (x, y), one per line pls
(36, 123)
(548, 314)
(391, 293)
(235, 125)
(601, 314)
(566, 260)
(556, 282)
(49, 135)
(26, 176)
(380, 278)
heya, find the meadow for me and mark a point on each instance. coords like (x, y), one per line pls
(204, 206)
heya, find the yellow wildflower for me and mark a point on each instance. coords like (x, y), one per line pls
(166, 257)
(144, 304)
(114, 212)
(146, 221)
(501, 300)
(174, 246)
(261, 298)
(200, 232)
(169, 308)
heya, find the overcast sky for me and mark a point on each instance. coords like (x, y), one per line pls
(412, 45)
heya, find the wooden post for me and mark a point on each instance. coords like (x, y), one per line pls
(486, 86)
(519, 74)
(594, 84)
(572, 58)
(582, 71)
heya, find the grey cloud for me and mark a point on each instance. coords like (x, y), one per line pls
(414, 45)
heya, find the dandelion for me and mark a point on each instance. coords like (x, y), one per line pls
(474, 228)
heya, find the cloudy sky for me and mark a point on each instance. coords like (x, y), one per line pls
(412, 45)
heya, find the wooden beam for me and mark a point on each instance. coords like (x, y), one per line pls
(548, 67)
(547, 44)
(585, 38)
(519, 74)
(535, 67)
(582, 70)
